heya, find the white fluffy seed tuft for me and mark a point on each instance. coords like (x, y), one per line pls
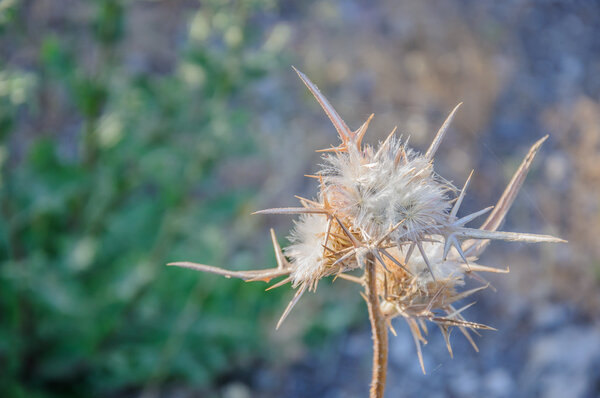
(306, 250)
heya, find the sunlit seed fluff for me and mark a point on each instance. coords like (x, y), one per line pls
(376, 190)
(306, 249)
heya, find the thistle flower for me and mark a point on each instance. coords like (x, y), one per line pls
(386, 211)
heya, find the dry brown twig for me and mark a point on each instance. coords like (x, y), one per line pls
(388, 213)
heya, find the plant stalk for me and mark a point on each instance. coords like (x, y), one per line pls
(378, 331)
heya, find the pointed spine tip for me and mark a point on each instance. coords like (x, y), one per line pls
(343, 131)
(360, 133)
(440, 134)
(291, 210)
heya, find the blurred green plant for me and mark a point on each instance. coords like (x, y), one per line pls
(94, 205)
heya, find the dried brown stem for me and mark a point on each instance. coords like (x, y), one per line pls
(378, 330)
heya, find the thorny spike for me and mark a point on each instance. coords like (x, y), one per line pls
(327, 233)
(336, 149)
(467, 293)
(322, 185)
(432, 300)
(472, 216)
(384, 145)
(465, 332)
(447, 246)
(440, 134)
(400, 156)
(414, 329)
(508, 196)
(341, 251)
(354, 241)
(496, 217)
(483, 268)
(248, 276)
(291, 305)
(420, 246)
(263, 277)
(446, 333)
(394, 260)
(280, 283)
(344, 132)
(344, 258)
(423, 325)
(450, 241)
(461, 196)
(378, 257)
(389, 232)
(279, 257)
(391, 327)
(329, 249)
(411, 248)
(337, 274)
(429, 240)
(469, 272)
(306, 202)
(461, 323)
(360, 133)
(460, 252)
(507, 236)
(456, 312)
(460, 317)
(292, 210)
(350, 278)
(364, 296)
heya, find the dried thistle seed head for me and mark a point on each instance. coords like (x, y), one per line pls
(388, 205)
(421, 264)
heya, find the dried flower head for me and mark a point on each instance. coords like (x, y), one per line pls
(384, 210)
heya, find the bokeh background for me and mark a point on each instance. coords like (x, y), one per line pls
(136, 132)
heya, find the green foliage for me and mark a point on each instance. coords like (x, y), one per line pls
(95, 204)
